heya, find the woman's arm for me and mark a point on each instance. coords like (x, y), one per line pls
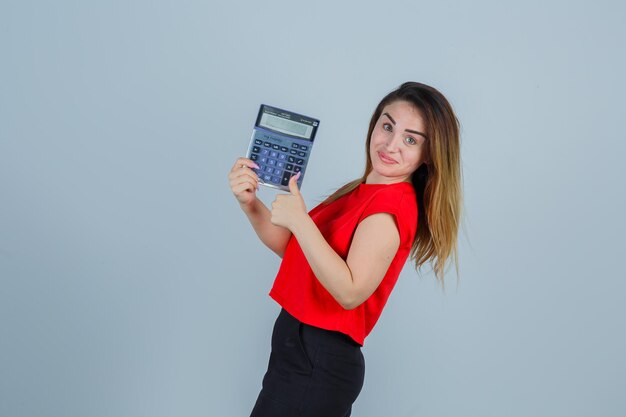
(243, 183)
(274, 237)
(374, 245)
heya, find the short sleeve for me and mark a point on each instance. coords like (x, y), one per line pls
(381, 202)
(400, 206)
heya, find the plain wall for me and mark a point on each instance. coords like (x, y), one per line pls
(132, 285)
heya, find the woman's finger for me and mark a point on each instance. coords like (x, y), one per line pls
(244, 162)
(243, 187)
(293, 184)
(247, 173)
(245, 180)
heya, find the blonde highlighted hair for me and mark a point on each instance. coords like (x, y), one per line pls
(437, 182)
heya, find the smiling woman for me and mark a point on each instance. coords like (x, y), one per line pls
(341, 260)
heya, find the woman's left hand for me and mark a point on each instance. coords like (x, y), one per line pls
(288, 209)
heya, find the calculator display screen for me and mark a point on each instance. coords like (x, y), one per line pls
(286, 122)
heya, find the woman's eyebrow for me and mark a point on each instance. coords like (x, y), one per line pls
(390, 118)
(417, 133)
(406, 130)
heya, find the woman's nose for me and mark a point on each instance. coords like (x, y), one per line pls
(392, 142)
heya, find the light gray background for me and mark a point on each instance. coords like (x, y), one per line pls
(132, 285)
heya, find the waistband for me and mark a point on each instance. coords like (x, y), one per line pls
(324, 336)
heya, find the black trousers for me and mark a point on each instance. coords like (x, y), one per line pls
(312, 372)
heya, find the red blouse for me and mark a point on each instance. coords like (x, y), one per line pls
(299, 292)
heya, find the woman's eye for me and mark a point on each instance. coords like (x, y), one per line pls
(410, 140)
(387, 127)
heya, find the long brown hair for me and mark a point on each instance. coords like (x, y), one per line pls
(437, 182)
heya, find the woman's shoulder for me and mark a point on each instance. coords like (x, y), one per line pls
(397, 192)
(398, 198)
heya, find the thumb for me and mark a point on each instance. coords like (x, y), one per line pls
(293, 184)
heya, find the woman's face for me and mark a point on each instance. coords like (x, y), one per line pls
(398, 145)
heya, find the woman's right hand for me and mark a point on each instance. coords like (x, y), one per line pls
(244, 182)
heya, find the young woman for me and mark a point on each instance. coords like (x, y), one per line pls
(342, 259)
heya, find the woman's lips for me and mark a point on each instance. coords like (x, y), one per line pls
(386, 159)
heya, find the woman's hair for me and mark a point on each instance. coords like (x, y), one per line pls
(437, 182)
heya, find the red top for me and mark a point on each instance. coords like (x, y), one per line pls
(299, 292)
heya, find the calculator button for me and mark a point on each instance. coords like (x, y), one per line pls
(267, 177)
(299, 161)
(267, 145)
(263, 160)
(297, 169)
(256, 149)
(254, 157)
(293, 152)
(282, 156)
(265, 152)
(274, 154)
(284, 148)
(291, 159)
(303, 154)
(275, 180)
(289, 167)
(294, 145)
(286, 176)
(258, 142)
(304, 147)
(275, 146)
(280, 164)
(271, 162)
(269, 169)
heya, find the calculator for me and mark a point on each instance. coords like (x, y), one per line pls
(281, 144)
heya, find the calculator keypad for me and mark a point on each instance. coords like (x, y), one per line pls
(278, 163)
